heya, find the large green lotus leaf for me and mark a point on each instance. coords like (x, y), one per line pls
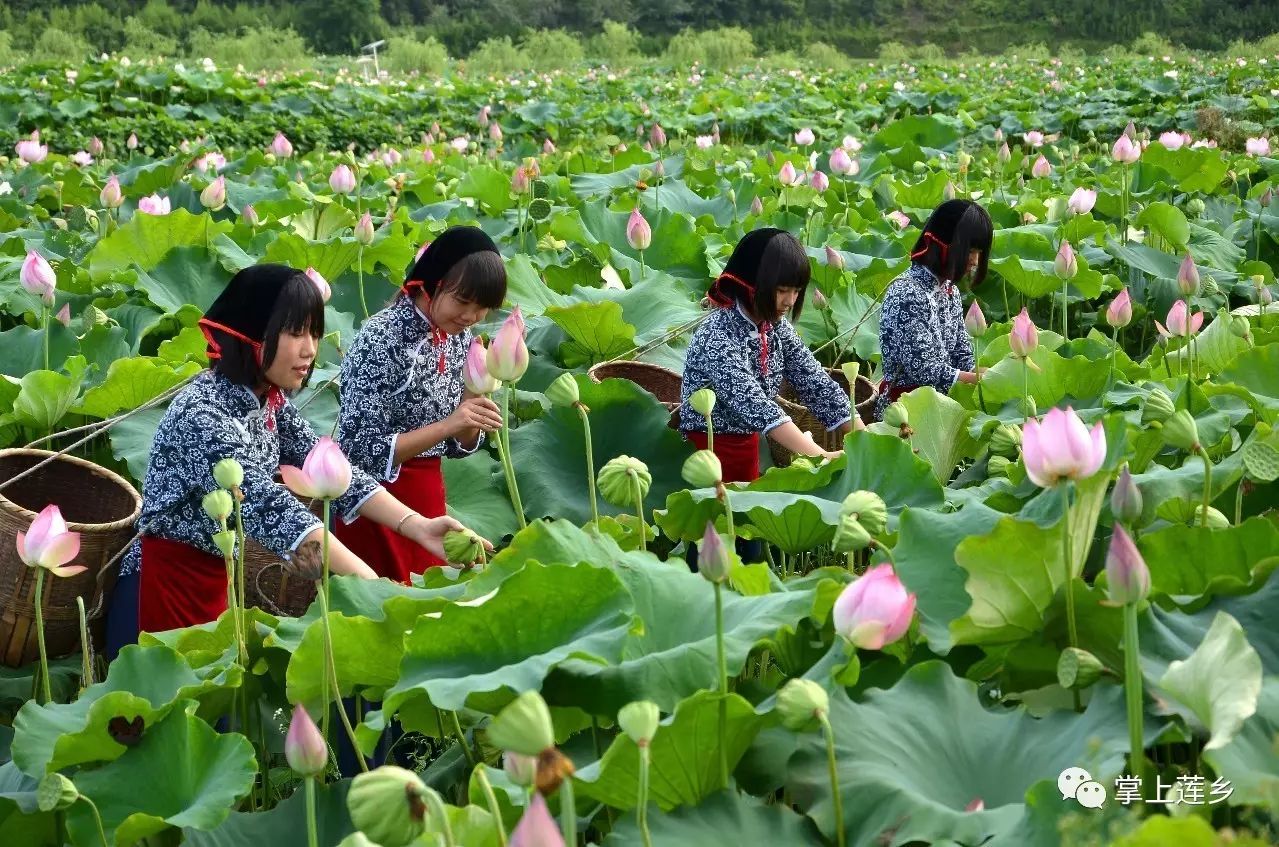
(728, 817)
(1160, 484)
(590, 184)
(931, 131)
(131, 440)
(684, 764)
(1193, 169)
(1188, 562)
(794, 522)
(676, 196)
(1025, 261)
(147, 239)
(1258, 371)
(45, 397)
(142, 682)
(1214, 349)
(330, 258)
(286, 824)
(596, 333)
(475, 495)
(941, 430)
(182, 773)
(911, 759)
(321, 222)
(676, 248)
(1217, 687)
(525, 288)
(1057, 380)
(1166, 221)
(625, 420)
(1162, 265)
(490, 187)
(923, 196)
(1250, 761)
(675, 654)
(132, 382)
(648, 306)
(21, 821)
(22, 348)
(186, 275)
(925, 559)
(538, 618)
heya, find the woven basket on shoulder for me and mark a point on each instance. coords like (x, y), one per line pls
(864, 406)
(97, 503)
(662, 383)
(269, 586)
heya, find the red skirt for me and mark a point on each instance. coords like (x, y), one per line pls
(420, 486)
(179, 586)
(894, 391)
(738, 454)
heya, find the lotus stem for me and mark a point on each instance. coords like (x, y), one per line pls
(723, 683)
(46, 694)
(568, 812)
(981, 398)
(359, 267)
(86, 651)
(829, 732)
(461, 739)
(1133, 691)
(1238, 502)
(323, 593)
(331, 664)
(642, 814)
(590, 463)
(242, 602)
(710, 433)
(1203, 517)
(639, 512)
(1114, 355)
(504, 451)
(312, 839)
(97, 819)
(1007, 313)
(1065, 302)
(494, 809)
(642, 268)
(1068, 555)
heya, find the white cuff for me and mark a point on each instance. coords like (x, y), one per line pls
(354, 513)
(297, 542)
(775, 424)
(838, 425)
(392, 472)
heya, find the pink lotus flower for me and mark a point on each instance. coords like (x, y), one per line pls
(842, 163)
(1042, 168)
(428, 155)
(975, 320)
(788, 175)
(495, 131)
(132, 141)
(1024, 337)
(304, 747)
(111, 196)
(320, 283)
(214, 195)
(536, 828)
(1003, 153)
(325, 473)
(874, 610)
(31, 152)
(1125, 150)
(519, 180)
(638, 233)
(1082, 201)
(364, 230)
(1172, 140)
(899, 217)
(757, 206)
(1061, 447)
(657, 136)
(834, 258)
(154, 204)
(64, 314)
(1119, 312)
(1254, 146)
(819, 299)
(210, 160)
(1034, 138)
(548, 147)
(1127, 577)
(82, 158)
(96, 147)
(1188, 277)
(342, 180)
(1180, 323)
(804, 137)
(819, 181)
(281, 147)
(850, 144)
(250, 215)
(37, 276)
(713, 560)
(1065, 265)
(391, 157)
(475, 372)
(507, 357)
(48, 544)
(460, 144)
(704, 142)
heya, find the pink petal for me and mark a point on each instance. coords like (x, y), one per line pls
(1162, 331)
(1032, 455)
(297, 481)
(1098, 449)
(61, 550)
(68, 570)
(1196, 322)
(22, 546)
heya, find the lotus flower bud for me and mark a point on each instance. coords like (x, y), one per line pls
(250, 215)
(850, 536)
(1195, 206)
(1181, 431)
(713, 560)
(1125, 500)
(1127, 577)
(218, 504)
(618, 477)
(1024, 337)
(896, 415)
(1119, 312)
(703, 401)
(364, 230)
(523, 726)
(834, 258)
(1077, 669)
(520, 768)
(304, 746)
(975, 320)
(1216, 520)
(213, 197)
(111, 195)
(462, 547)
(507, 356)
(475, 372)
(228, 474)
(1066, 265)
(225, 542)
(1188, 277)
(702, 469)
(342, 180)
(639, 720)
(757, 206)
(1157, 408)
(869, 510)
(564, 391)
(388, 805)
(638, 233)
(56, 793)
(998, 466)
(1006, 440)
(800, 702)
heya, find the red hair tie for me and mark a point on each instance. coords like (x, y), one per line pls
(719, 298)
(928, 236)
(274, 396)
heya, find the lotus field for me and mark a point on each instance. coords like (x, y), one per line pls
(1037, 611)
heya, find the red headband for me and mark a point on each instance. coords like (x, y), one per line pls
(215, 349)
(928, 236)
(719, 298)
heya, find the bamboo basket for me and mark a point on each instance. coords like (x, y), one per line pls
(97, 503)
(864, 407)
(269, 586)
(662, 383)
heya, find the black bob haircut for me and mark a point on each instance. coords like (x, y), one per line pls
(952, 230)
(464, 261)
(298, 308)
(766, 260)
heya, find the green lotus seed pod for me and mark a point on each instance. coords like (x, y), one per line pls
(539, 209)
(218, 504)
(639, 721)
(800, 702)
(564, 390)
(1180, 430)
(1006, 440)
(56, 792)
(225, 541)
(1216, 520)
(1157, 408)
(869, 510)
(462, 547)
(702, 469)
(523, 726)
(703, 401)
(998, 465)
(1208, 286)
(1077, 669)
(804, 462)
(388, 805)
(896, 415)
(617, 480)
(850, 536)
(1261, 461)
(541, 189)
(1195, 206)
(1240, 327)
(228, 474)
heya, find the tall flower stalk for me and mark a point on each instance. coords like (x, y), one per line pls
(714, 563)
(1128, 585)
(308, 754)
(47, 545)
(800, 702)
(507, 360)
(564, 392)
(640, 721)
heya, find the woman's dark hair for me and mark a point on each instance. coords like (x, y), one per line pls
(476, 278)
(952, 230)
(463, 260)
(767, 260)
(298, 308)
